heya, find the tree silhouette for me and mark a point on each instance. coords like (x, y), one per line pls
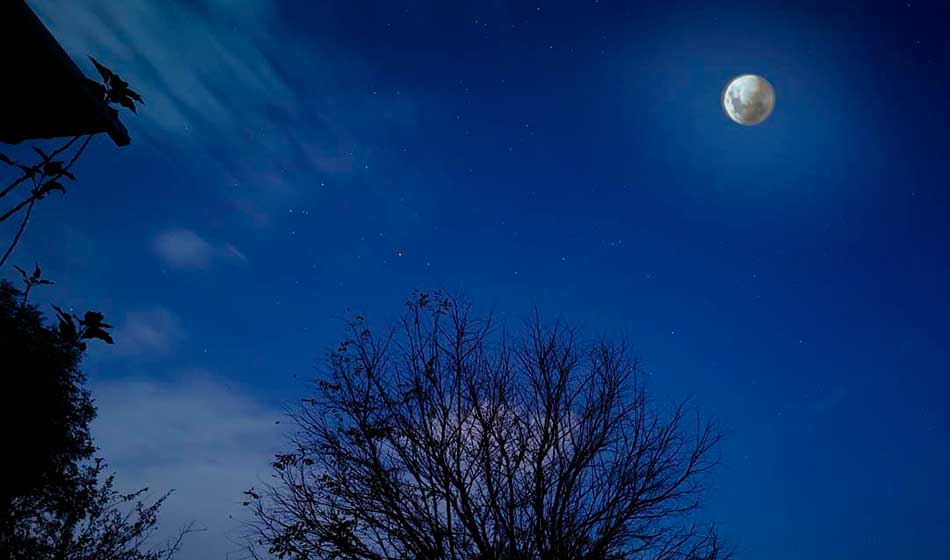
(56, 501)
(43, 398)
(437, 440)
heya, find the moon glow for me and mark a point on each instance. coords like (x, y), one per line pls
(748, 99)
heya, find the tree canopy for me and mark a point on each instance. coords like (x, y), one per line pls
(57, 502)
(440, 440)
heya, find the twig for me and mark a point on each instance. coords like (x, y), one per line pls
(175, 546)
(64, 147)
(13, 185)
(31, 201)
(19, 232)
(28, 200)
(26, 176)
(77, 154)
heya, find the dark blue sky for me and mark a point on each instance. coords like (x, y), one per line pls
(298, 160)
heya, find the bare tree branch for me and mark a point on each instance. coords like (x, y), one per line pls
(45, 177)
(438, 440)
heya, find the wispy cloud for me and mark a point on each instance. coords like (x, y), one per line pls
(204, 439)
(201, 63)
(223, 82)
(183, 248)
(146, 333)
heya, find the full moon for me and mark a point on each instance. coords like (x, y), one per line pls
(748, 99)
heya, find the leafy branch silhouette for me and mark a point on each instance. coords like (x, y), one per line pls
(53, 169)
(115, 90)
(31, 280)
(72, 328)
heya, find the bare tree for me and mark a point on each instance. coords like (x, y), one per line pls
(436, 440)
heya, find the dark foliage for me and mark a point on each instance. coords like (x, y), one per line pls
(437, 441)
(44, 405)
(56, 501)
(115, 89)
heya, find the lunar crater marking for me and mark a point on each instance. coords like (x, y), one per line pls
(748, 99)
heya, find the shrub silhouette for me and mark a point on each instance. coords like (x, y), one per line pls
(56, 500)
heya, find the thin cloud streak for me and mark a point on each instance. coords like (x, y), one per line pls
(147, 333)
(223, 85)
(184, 249)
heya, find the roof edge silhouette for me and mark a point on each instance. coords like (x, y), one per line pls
(45, 94)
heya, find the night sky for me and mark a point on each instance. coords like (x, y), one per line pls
(298, 161)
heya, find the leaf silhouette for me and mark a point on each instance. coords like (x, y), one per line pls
(93, 319)
(117, 83)
(131, 93)
(127, 103)
(67, 325)
(103, 71)
(54, 168)
(48, 187)
(98, 333)
(41, 152)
